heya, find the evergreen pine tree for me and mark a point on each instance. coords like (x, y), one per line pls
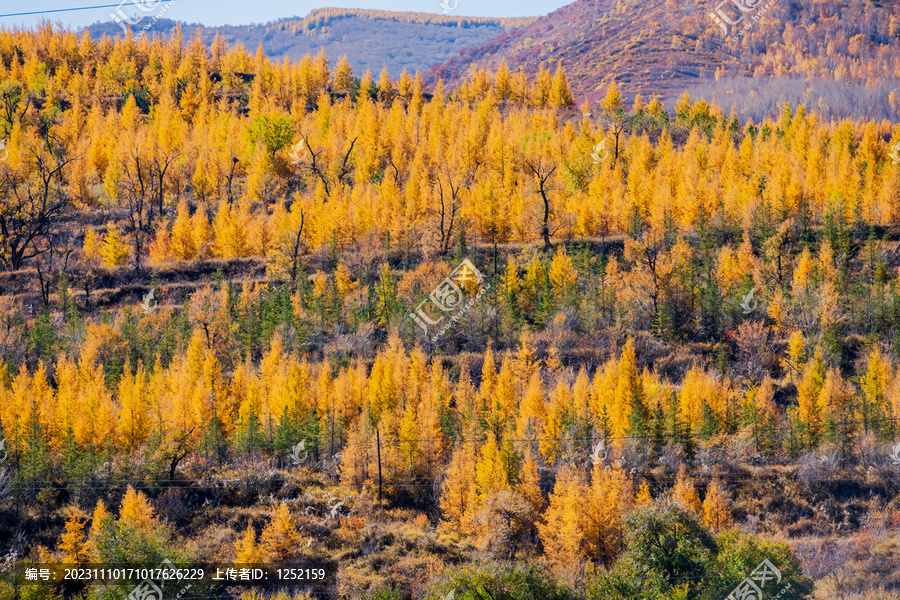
(709, 423)
(248, 435)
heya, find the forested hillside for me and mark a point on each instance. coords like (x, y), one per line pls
(681, 360)
(838, 57)
(369, 38)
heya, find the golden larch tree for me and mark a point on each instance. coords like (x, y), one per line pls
(460, 491)
(280, 538)
(643, 497)
(246, 549)
(717, 507)
(562, 531)
(137, 511)
(609, 497)
(529, 485)
(114, 249)
(684, 492)
(73, 544)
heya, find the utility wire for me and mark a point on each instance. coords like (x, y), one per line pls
(262, 485)
(59, 10)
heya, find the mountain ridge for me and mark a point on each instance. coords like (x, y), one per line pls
(661, 48)
(371, 39)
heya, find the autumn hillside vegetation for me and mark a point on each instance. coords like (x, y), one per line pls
(838, 56)
(686, 361)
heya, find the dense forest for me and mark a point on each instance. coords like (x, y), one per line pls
(682, 360)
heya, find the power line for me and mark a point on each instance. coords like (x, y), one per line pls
(187, 486)
(59, 10)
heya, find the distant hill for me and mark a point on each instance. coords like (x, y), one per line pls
(370, 38)
(841, 56)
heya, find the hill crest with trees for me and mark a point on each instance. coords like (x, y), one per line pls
(841, 57)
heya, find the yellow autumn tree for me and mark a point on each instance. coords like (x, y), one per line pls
(246, 549)
(529, 485)
(562, 274)
(183, 243)
(232, 229)
(73, 544)
(114, 250)
(717, 507)
(833, 396)
(280, 538)
(809, 411)
(459, 498)
(629, 394)
(609, 497)
(490, 473)
(643, 497)
(92, 245)
(874, 386)
(562, 531)
(684, 492)
(532, 414)
(134, 407)
(343, 75)
(796, 354)
(560, 94)
(136, 510)
(100, 520)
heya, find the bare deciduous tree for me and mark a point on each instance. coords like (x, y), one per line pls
(31, 196)
(542, 175)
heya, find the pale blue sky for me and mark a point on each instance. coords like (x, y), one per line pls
(210, 12)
